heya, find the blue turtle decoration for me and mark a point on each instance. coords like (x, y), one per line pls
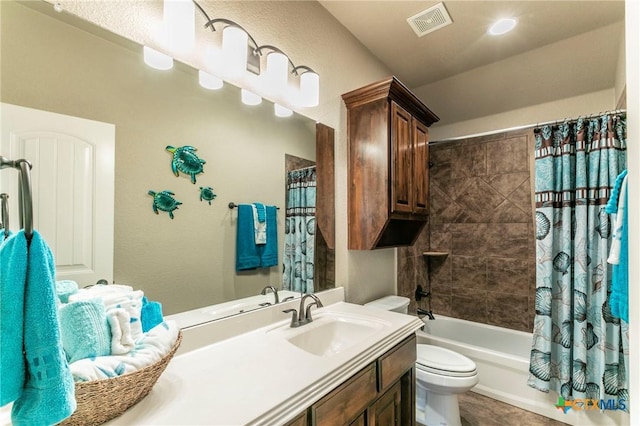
(207, 194)
(186, 160)
(164, 201)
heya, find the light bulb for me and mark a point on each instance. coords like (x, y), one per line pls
(502, 26)
(157, 60)
(281, 111)
(234, 50)
(250, 98)
(309, 89)
(277, 73)
(209, 81)
(179, 20)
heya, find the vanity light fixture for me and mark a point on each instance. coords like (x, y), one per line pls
(281, 111)
(241, 58)
(250, 98)
(502, 26)
(156, 59)
(280, 79)
(209, 81)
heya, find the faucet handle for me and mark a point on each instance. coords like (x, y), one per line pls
(294, 317)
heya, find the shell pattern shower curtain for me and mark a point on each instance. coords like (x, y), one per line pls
(300, 226)
(579, 350)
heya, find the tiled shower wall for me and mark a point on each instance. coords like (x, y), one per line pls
(481, 214)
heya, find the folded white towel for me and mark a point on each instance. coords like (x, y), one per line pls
(117, 296)
(260, 228)
(121, 340)
(153, 346)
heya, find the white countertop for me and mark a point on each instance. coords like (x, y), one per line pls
(259, 378)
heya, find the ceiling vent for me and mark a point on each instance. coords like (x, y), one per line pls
(430, 20)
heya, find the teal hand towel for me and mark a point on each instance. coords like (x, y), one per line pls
(48, 396)
(269, 251)
(66, 288)
(151, 314)
(247, 256)
(84, 330)
(13, 276)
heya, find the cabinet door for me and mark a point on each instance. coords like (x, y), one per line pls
(386, 410)
(301, 420)
(420, 168)
(401, 148)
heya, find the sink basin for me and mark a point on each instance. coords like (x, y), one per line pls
(331, 334)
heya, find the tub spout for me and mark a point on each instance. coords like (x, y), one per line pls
(423, 312)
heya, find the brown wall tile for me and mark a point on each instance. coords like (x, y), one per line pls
(469, 160)
(481, 214)
(468, 272)
(505, 275)
(508, 310)
(508, 156)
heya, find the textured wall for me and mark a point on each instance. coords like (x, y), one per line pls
(481, 214)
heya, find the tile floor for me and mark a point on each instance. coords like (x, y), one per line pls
(479, 410)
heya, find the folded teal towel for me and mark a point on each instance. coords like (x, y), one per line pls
(247, 256)
(13, 275)
(84, 330)
(48, 396)
(66, 288)
(269, 251)
(151, 314)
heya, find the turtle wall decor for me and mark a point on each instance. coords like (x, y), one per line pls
(186, 160)
(164, 201)
(207, 194)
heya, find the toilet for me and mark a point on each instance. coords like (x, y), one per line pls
(441, 374)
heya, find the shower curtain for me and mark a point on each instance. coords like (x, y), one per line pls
(579, 350)
(300, 226)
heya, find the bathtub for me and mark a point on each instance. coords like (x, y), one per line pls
(502, 359)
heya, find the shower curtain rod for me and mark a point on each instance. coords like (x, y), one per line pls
(526, 126)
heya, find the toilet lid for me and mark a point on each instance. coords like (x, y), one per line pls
(443, 361)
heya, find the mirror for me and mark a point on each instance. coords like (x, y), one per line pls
(59, 63)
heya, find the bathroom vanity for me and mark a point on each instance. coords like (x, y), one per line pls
(350, 364)
(382, 393)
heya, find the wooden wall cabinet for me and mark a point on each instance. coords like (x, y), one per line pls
(382, 393)
(388, 165)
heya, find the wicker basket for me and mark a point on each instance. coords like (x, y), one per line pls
(102, 400)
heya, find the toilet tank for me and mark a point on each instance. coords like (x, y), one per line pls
(391, 303)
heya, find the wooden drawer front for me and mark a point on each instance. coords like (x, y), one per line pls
(343, 404)
(396, 363)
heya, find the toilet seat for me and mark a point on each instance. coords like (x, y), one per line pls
(442, 361)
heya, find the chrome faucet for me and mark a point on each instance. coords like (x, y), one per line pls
(273, 289)
(302, 316)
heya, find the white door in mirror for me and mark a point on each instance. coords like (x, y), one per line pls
(73, 187)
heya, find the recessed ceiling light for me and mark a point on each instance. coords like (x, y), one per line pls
(502, 26)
